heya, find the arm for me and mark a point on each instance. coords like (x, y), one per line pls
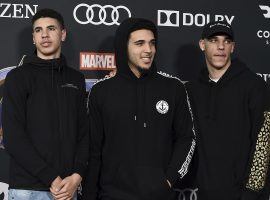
(71, 183)
(82, 148)
(184, 142)
(90, 188)
(16, 140)
(257, 170)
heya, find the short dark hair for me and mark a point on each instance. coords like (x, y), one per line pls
(47, 12)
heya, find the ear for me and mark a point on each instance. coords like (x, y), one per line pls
(202, 44)
(34, 42)
(233, 46)
(64, 35)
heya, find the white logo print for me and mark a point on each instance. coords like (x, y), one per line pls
(267, 9)
(162, 107)
(102, 14)
(168, 14)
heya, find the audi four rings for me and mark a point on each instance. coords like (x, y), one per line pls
(102, 14)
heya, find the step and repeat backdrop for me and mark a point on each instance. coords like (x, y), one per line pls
(91, 25)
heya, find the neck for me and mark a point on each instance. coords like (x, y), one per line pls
(217, 73)
(49, 57)
(135, 71)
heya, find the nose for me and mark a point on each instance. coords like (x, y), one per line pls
(148, 48)
(44, 34)
(221, 45)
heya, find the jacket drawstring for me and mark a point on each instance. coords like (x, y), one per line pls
(52, 73)
(143, 96)
(136, 101)
(144, 108)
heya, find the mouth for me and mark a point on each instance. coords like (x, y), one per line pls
(147, 59)
(45, 44)
(220, 55)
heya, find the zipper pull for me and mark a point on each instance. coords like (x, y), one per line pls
(135, 117)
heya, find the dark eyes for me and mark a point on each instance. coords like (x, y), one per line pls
(50, 28)
(214, 40)
(141, 43)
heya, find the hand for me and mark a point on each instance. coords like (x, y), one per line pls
(70, 185)
(169, 183)
(56, 185)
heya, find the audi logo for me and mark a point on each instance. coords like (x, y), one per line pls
(187, 194)
(103, 11)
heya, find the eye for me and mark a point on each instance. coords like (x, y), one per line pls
(37, 30)
(228, 41)
(139, 43)
(51, 28)
(212, 40)
(153, 42)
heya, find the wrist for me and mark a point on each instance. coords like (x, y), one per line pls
(77, 177)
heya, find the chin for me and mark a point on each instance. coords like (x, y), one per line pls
(145, 67)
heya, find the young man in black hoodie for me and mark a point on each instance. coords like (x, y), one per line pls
(141, 138)
(44, 118)
(229, 101)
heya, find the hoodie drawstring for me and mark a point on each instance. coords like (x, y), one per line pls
(143, 97)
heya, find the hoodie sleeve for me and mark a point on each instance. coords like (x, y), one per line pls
(257, 173)
(16, 140)
(82, 152)
(90, 188)
(184, 138)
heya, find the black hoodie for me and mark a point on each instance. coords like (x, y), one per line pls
(228, 114)
(133, 147)
(44, 122)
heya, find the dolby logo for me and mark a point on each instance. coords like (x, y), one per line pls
(264, 34)
(266, 77)
(26, 11)
(97, 61)
(266, 10)
(174, 18)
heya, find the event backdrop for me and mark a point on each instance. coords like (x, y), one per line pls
(91, 26)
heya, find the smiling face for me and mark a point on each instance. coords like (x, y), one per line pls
(141, 49)
(47, 36)
(217, 50)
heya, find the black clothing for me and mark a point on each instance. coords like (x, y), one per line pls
(44, 123)
(137, 143)
(228, 115)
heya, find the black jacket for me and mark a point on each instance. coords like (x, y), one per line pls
(134, 148)
(44, 122)
(228, 115)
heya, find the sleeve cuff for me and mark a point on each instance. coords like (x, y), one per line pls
(47, 176)
(172, 175)
(80, 169)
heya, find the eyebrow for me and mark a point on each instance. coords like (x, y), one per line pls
(50, 26)
(140, 41)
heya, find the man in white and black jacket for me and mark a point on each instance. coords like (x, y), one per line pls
(229, 103)
(142, 137)
(44, 118)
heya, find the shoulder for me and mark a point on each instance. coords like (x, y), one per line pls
(173, 81)
(103, 82)
(74, 72)
(253, 80)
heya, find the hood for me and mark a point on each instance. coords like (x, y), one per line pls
(237, 67)
(51, 64)
(120, 42)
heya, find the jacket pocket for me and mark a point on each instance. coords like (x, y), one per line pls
(144, 182)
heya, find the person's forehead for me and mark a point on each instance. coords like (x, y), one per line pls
(46, 21)
(142, 34)
(219, 36)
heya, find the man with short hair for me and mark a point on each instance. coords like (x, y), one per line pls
(228, 101)
(141, 137)
(44, 118)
